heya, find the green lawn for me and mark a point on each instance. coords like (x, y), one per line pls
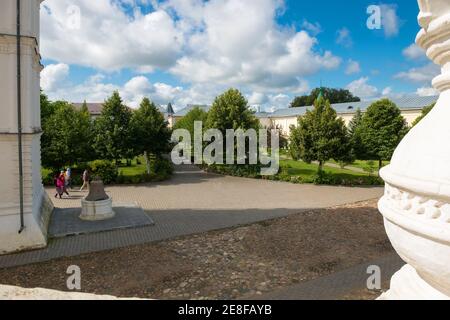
(135, 169)
(361, 164)
(364, 164)
(306, 173)
(300, 168)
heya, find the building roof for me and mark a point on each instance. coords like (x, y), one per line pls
(95, 109)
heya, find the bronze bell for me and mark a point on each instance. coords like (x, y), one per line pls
(96, 191)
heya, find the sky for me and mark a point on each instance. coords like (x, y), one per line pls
(190, 51)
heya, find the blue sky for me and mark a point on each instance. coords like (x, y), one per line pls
(189, 51)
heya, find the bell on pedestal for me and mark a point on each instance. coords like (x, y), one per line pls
(97, 205)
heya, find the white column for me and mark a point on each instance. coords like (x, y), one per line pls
(37, 207)
(416, 204)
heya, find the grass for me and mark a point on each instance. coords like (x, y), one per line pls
(360, 164)
(135, 169)
(299, 171)
(305, 170)
(363, 164)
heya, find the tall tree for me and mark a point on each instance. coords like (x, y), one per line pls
(113, 135)
(331, 94)
(67, 137)
(230, 111)
(381, 130)
(151, 135)
(425, 112)
(357, 148)
(320, 135)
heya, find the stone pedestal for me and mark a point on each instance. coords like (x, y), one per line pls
(97, 205)
(416, 204)
(37, 206)
(96, 210)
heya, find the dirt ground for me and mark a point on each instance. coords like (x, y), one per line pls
(237, 263)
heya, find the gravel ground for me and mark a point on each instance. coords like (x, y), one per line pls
(229, 264)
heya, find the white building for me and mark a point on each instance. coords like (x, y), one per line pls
(24, 206)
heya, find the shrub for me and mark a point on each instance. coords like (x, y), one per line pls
(106, 170)
(162, 167)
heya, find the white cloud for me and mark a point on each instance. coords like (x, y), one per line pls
(313, 28)
(200, 42)
(390, 20)
(414, 52)
(352, 67)
(362, 89)
(254, 52)
(97, 88)
(387, 91)
(106, 37)
(426, 92)
(344, 38)
(278, 101)
(53, 74)
(422, 74)
(257, 99)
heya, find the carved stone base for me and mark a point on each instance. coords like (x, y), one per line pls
(406, 284)
(96, 210)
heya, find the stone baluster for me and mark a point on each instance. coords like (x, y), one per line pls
(416, 203)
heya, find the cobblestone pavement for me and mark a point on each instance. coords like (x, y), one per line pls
(194, 202)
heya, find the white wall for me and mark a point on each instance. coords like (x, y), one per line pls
(37, 207)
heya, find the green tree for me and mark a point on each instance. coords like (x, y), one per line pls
(331, 94)
(67, 136)
(357, 148)
(151, 135)
(425, 112)
(230, 111)
(381, 130)
(320, 136)
(113, 134)
(187, 122)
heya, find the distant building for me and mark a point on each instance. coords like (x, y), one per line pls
(95, 109)
(410, 106)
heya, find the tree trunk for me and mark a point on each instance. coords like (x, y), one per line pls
(380, 164)
(320, 166)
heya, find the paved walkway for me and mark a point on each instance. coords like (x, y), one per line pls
(194, 202)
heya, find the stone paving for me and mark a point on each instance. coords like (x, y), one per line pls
(194, 202)
(66, 222)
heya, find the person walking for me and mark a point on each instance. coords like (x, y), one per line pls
(86, 178)
(57, 183)
(62, 179)
(68, 177)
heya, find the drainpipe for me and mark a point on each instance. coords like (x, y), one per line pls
(19, 118)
